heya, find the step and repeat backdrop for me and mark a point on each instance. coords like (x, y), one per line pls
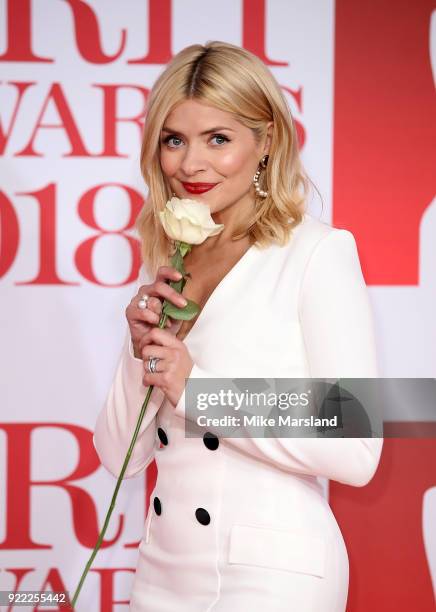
(359, 78)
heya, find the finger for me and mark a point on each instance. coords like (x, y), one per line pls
(141, 315)
(168, 272)
(160, 288)
(152, 313)
(149, 317)
(175, 326)
(162, 337)
(153, 303)
(154, 350)
(161, 368)
(158, 379)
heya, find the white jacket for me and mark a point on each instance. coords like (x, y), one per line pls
(238, 524)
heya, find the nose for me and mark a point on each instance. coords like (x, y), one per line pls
(193, 160)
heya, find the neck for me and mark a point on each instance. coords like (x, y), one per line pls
(231, 216)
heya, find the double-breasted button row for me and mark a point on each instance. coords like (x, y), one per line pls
(162, 436)
(210, 440)
(201, 514)
(157, 505)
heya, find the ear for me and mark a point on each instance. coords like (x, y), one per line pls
(268, 137)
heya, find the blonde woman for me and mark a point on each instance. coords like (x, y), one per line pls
(237, 524)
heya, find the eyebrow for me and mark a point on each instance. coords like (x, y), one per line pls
(214, 129)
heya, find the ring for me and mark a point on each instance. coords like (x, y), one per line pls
(142, 304)
(151, 364)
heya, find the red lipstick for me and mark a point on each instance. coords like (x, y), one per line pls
(198, 187)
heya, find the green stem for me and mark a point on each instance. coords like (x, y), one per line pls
(162, 321)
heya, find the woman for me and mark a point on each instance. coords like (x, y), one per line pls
(237, 524)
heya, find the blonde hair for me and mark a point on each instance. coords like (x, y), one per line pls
(234, 80)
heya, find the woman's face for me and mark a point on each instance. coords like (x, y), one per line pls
(202, 144)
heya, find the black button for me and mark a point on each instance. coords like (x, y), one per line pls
(210, 440)
(162, 436)
(202, 516)
(157, 505)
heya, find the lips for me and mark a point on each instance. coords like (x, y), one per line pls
(198, 187)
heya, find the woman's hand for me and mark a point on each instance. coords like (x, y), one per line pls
(143, 320)
(174, 365)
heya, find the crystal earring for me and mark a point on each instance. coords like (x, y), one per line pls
(263, 164)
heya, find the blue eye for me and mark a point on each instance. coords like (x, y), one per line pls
(171, 137)
(221, 136)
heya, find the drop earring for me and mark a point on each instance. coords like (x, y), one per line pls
(262, 165)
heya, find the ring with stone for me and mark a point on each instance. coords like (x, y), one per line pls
(151, 364)
(142, 304)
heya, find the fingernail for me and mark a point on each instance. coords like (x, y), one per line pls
(183, 301)
(178, 275)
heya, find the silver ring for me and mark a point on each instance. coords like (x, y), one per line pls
(152, 363)
(142, 304)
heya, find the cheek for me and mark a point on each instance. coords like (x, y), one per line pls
(169, 163)
(236, 164)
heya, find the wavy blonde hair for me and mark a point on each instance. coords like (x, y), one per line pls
(236, 81)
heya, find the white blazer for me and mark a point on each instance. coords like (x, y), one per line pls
(238, 524)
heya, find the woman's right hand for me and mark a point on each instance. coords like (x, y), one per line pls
(142, 320)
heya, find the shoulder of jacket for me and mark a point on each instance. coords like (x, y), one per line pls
(312, 231)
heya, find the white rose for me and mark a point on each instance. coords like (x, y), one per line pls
(188, 221)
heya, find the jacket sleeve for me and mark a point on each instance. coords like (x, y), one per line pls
(117, 420)
(337, 326)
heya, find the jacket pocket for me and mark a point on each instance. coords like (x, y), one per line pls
(278, 549)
